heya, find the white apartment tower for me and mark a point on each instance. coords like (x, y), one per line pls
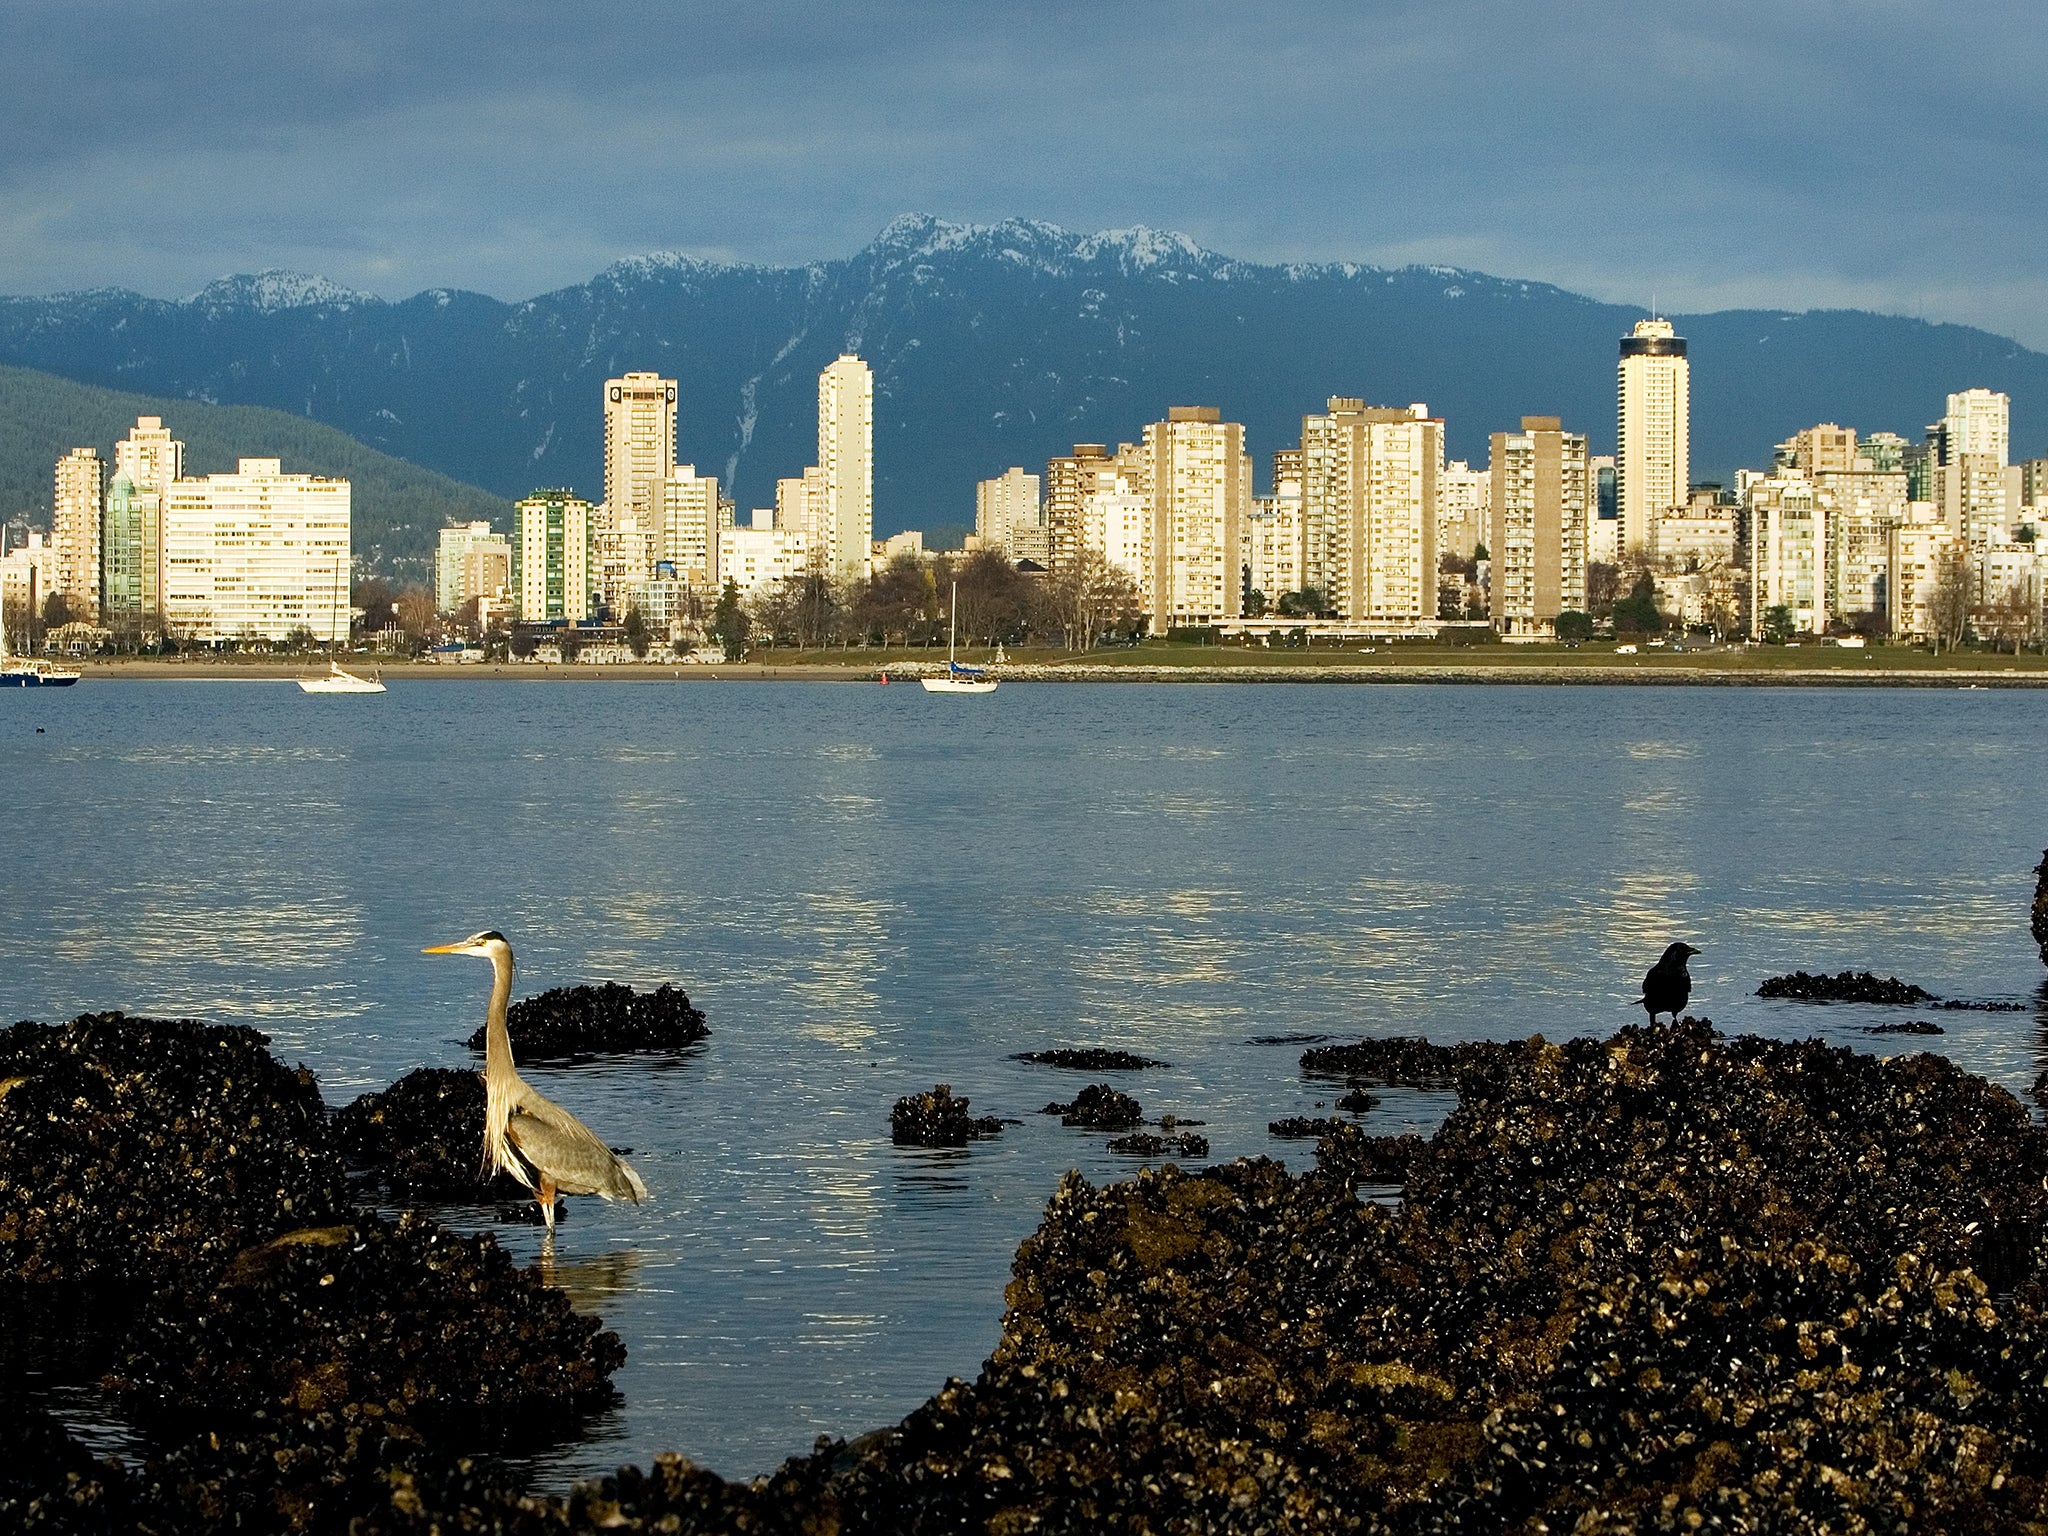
(1537, 535)
(1007, 515)
(149, 456)
(845, 522)
(692, 516)
(256, 553)
(1654, 413)
(1370, 506)
(471, 562)
(1978, 421)
(75, 511)
(1200, 487)
(1463, 496)
(639, 444)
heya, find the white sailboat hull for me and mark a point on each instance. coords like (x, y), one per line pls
(958, 685)
(339, 680)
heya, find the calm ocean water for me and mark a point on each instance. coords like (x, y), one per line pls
(870, 890)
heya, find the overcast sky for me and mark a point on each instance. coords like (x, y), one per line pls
(1779, 153)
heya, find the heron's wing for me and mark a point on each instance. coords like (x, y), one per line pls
(567, 1151)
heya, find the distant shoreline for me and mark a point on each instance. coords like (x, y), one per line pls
(1595, 671)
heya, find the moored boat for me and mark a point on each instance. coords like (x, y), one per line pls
(340, 680)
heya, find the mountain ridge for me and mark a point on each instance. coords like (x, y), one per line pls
(992, 344)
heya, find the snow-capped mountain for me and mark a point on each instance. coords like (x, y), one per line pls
(993, 345)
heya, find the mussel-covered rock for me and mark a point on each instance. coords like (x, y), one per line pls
(51, 1484)
(135, 1150)
(1844, 987)
(1145, 1144)
(1303, 1128)
(937, 1119)
(1403, 1061)
(574, 1023)
(404, 1320)
(1098, 1107)
(1662, 1282)
(1907, 1027)
(2039, 918)
(422, 1138)
(1357, 1101)
(1090, 1059)
(1347, 1151)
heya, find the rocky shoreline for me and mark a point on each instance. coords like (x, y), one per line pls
(1651, 671)
(1663, 1281)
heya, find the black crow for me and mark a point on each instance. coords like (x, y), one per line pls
(1667, 985)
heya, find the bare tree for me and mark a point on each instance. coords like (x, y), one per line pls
(1090, 595)
(1948, 604)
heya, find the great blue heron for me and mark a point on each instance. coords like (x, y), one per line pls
(539, 1143)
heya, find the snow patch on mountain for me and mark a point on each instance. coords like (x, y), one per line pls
(272, 291)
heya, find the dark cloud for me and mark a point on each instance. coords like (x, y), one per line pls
(1800, 152)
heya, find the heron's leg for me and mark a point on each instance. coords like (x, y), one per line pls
(546, 1196)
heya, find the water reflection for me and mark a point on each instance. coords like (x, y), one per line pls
(593, 1283)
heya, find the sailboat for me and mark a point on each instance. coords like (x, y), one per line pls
(958, 679)
(340, 680)
(29, 671)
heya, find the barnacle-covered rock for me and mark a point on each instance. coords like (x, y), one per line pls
(1098, 1107)
(2039, 917)
(1403, 1061)
(1303, 1127)
(50, 1484)
(1907, 1027)
(1357, 1101)
(134, 1150)
(1089, 1059)
(937, 1119)
(422, 1139)
(1661, 1282)
(1145, 1144)
(1844, 987)
(575, 1023)
(403, 1320)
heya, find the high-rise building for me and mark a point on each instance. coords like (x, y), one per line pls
(256, 553)
(639, 445)
(150, 456)
(1370, 505)
(75, 529)
(1824, 449)
(1862, 506)
(1069, 481)
(131, 559)
(472, 562)
(554, 557)
(1538, 539)
(846, 461)
(1464, 495)
(1008, 516)
(1884, 451)
(1978, 421)
(1654, 412)
(1199, 482)
(1923, 558)
(692, 514)
(27, 570)
(757, 556)
(1788, 552)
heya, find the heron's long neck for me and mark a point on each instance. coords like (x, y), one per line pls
(497, 1040)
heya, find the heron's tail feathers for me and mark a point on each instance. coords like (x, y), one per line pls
(624, 1183)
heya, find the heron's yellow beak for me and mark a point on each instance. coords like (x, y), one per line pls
(442, 949)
